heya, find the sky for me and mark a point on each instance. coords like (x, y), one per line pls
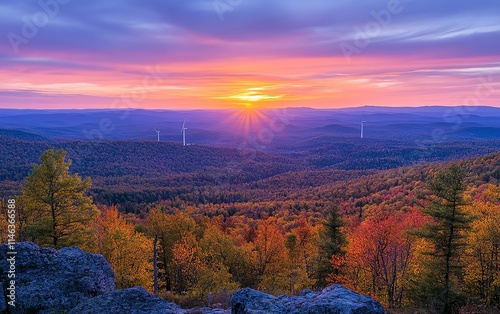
(201, 54)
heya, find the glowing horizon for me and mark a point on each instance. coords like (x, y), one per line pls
(165, 55)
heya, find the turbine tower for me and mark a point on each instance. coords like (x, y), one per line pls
(183, 131)
(158, 131)
(362, 128)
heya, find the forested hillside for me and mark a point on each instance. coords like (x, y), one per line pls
(132, 174)
(218, 219)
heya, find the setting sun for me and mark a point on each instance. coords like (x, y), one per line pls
(254, 96)
(251, 96)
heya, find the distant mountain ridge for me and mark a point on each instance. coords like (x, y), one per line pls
(226, 127)
(22, 135)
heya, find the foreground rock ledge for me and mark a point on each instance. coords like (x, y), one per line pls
(332, 300)
(75, 282)
(132, 300)
(51, 281)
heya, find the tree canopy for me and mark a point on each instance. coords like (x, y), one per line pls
(60, 212)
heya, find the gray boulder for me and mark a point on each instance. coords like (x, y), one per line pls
(209, 311)
(51, 281)
(335, 299)
(134, 300)
(252, 301)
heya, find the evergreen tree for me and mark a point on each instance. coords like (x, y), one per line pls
(332, 241)
(60, 213)
(445, 235)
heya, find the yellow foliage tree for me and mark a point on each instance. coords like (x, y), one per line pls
(213, 278)
(482, 258)
(221, 253)
(295, 266)
(127, 251)
(170, 230)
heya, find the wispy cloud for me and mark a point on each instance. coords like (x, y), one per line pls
(101, 48)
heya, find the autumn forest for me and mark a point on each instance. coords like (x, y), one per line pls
(416, 236)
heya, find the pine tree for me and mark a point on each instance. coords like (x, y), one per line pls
(332, 241)
(445, 234)
(60, 213)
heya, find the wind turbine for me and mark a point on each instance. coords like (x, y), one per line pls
(362, 128)
(183, 131)
(158, 131)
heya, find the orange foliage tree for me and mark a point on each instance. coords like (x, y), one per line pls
(380, 256)
(269, 255)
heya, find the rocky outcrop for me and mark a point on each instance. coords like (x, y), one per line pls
(75, 282)
(51, 281)
(134, 300)
(137, 301)
(332, 300)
